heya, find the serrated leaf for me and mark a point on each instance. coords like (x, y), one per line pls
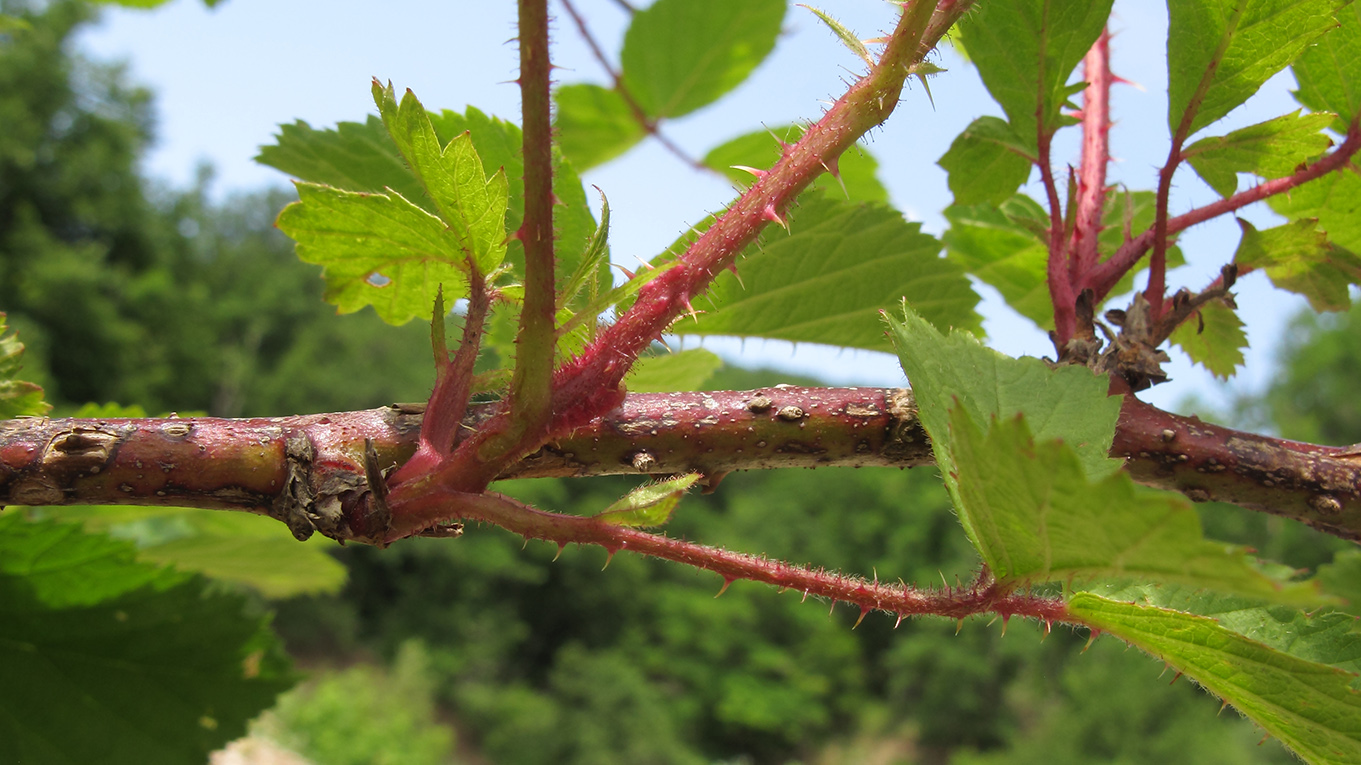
(1037, 518)
(1068, 403)
(1299, 258)
(1333, 200)
(1220, 52)
(686, 370)
(857, 167)
(1271, 149)
(595, 258)
(17, 398)
(986, 163)
(153, 667)
(1127, 214)
(650, 504)
(471, 203)
(352, 156)
(1026, 51)
(1329, 72)
(1213, 339)
(242, 548)
(680, 55)
(375, 249)
(827, 280)
(846, 36)
(1308, 706)
(594, 124)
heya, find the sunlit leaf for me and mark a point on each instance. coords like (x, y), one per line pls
(650, 504)
(1299, 258)
(1271, 149)
(1214, 339)
(1333, 200)
(17, 398)
(680, 55)
(846, 36)
(827, 280)
(686, 370)
(986, 163)
(1329, 72)
(1220, 52)
(594, 124)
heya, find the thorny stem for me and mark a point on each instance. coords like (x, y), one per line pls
(1096, 125)
(649, 125)
(1060, 283)
(902, 600)
(1102, 279)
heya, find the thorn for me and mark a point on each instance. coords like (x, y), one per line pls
(863, 610)
(1131, 83)
(526, 542)
(627, 272)
(693, 313)
(833, 168)
(758, 173)
(943, 580)
(557, 201)
(834, 602)
(1005, 618)
(1048, 628)
(781, 590)
(733, 267)
(561, 546)
(1265, 736)
(769, 214)
(610, 558)
(900, 621)
(805, 596)
(1221, 707)
(727, 580)
(1175, 679)
(1095, 634)
(959, 625)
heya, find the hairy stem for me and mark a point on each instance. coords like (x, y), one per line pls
(1096, 126)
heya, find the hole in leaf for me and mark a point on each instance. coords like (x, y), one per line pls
(376, 279)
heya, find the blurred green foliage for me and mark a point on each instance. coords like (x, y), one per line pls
(168, 299)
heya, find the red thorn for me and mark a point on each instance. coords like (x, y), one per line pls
(691, 309)
(1221, 707)
(1090, 640)
(1005, 618)
(833, 610)
(627, 272)
(758, 173)
(611, 551)
(733, 267)
(1175, 679)
(900, 620)
(769, 214)
(561, 546)
(863, 610)
(557, 201)
(727, 580)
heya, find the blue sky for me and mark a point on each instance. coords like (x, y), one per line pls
(226, 77)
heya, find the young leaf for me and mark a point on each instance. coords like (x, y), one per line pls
(680, 55)
(857, 168)
(375, 249)
(1214, 340)
(472, 204)
(1271, 149)
(1299, 258)
(352, 156)
(155, 668)
(1036, 517)
(846, 36)
(595, 259)
(987, 163)
(1309, 706)
(1026, 50)
(1220, 52)
(594, 125)
(650, 504)
(686, 370)
(1329, 72)
(17, 398)
(826, 281)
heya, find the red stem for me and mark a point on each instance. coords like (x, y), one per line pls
(1102, 279)
(1096, 124)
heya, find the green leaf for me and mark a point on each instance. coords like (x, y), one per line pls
(1127, 214)
(846, 36)
(595, 258)
(149, 665)
(1333, 200)
(1271, 149)
(242, 548)
(1220, 52)
(1068, 403)
(1214, 339)
(686, 370)
(1308, 706)
(986, 163)
(1342, 578)
(17, 398)
(594, 125)
(1329, 72)
(1299, 258)
(680, 55)
(827, 281)
(760, 150)
(1037, 518)
(1026, 51)
(650, 504)
(473, 205)
(375, 249)
(352, 156)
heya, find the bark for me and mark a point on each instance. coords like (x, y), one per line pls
(308, 470)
